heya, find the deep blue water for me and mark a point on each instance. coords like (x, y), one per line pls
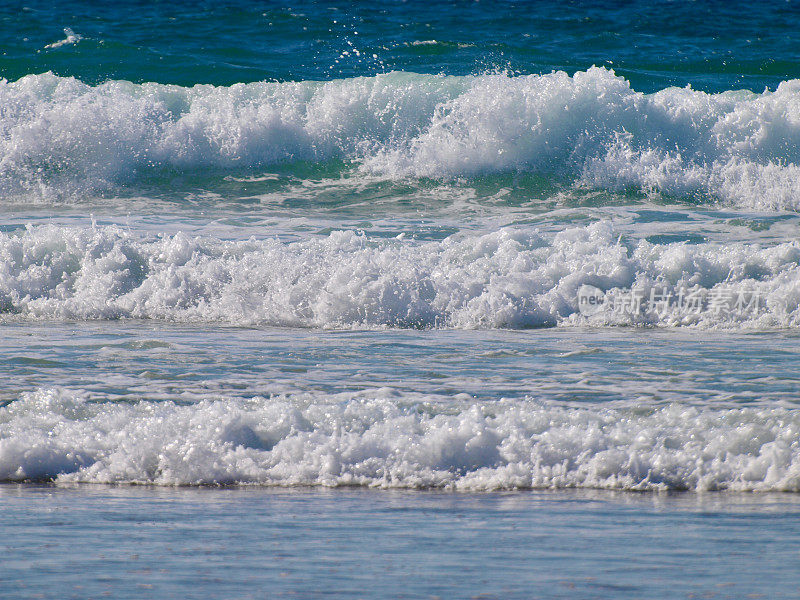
(712, 46)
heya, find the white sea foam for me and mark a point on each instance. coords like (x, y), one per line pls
(60, 136)
(72, 38)
(376, 439)
(510, 278)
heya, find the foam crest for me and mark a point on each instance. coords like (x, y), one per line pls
(59, 136)
(510, 278)
(377, 440)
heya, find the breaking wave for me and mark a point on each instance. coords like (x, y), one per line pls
(511, 278)
(59, 136)
(373, 439)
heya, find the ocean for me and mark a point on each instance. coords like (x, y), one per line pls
(400, 299)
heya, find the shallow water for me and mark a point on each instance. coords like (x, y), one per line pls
(472, 410)
(248, 543)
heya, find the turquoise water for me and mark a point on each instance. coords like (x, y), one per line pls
(533, 253)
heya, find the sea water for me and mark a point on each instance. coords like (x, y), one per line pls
(443, 255)
(133, 542)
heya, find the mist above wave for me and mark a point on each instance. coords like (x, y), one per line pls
(60, 137)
